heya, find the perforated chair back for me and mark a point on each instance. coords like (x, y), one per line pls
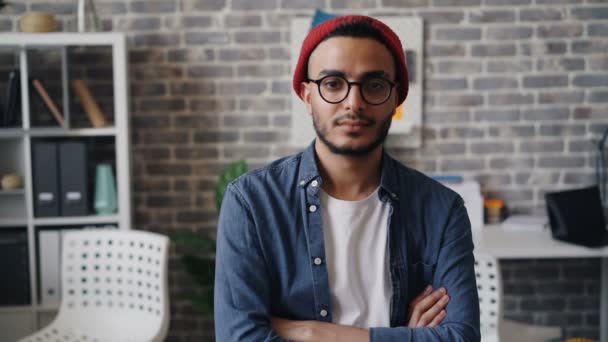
(487, 273)
(114, 287)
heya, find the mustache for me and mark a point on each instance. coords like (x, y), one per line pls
(338, 120)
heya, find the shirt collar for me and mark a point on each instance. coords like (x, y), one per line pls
(388, 177)
(308, 166)
(388, 184)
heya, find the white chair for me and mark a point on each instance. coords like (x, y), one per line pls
(493, 327)
(114, 288)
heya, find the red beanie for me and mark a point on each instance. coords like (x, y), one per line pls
(318, 33)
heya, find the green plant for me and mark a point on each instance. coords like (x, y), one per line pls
(201, 264)
(230, 173)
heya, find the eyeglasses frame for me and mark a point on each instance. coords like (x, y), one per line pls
(350, 84)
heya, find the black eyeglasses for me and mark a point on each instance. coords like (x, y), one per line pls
(374, 90)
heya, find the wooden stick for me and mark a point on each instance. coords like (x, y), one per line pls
(96, 116)
(48, 101)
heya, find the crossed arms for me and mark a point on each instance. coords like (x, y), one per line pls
(243, 291)
(426, 310)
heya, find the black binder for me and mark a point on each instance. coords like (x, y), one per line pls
(13, 100)
(15, 282)
(2, 109)
(73, 178)
(46, 179)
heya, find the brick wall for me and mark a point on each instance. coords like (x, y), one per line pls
(516, 96)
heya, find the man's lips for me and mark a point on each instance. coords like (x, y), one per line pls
(353, 123)
(353, 126)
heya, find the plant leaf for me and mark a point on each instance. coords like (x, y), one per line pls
(201, 270)
(230, 173)
(203, 303)
(193, 239)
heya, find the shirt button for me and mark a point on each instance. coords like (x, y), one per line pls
(318, 261)
(302, 182)
(312, 208)
(314, 183)
(323, 313)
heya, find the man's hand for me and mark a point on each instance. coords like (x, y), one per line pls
(427, 309)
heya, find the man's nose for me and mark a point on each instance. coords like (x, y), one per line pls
(354, 101)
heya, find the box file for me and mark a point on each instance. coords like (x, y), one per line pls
(73, 179)
(49, 253)
(46, 187)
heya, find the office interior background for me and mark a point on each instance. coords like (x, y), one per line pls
(515, 96)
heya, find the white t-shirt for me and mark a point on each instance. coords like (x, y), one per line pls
(357, 257)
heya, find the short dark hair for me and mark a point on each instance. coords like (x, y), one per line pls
(357, 29)
(360, 29)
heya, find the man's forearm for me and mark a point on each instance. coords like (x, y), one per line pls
(427, 309)
(453, 332)
(331, 332)
(315, 331)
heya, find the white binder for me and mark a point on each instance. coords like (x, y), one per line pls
(50, 262)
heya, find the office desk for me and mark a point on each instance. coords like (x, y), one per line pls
(522, 244)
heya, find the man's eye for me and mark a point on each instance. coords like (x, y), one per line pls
(332, 84)
(376, 85)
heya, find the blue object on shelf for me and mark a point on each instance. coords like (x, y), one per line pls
(448, 178)
(320, 17)
(105, 190)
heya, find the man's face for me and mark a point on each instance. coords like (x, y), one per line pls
(352, 127)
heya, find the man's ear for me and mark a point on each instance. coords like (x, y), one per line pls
(306, 92)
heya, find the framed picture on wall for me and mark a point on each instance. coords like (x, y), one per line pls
(407, 122)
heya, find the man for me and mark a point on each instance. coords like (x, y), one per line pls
(341, 242)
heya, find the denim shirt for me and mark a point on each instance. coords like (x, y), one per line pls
(270, 253)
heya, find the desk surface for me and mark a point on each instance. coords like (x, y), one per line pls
(522, 244)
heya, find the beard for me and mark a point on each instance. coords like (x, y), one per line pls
(360, 151)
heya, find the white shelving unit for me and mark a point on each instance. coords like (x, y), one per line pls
(17, 207)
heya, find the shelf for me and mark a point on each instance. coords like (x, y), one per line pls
(58, 57)
(81, 132)
(46, 308)
(11, 133)
(57, 132)
(13, 222)
(12, 309)
(12, 192)
(59, 221)
(29, 308)
(61, 39)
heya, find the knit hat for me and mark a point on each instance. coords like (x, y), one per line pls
(318, 33)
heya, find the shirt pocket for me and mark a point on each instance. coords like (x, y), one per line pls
(420, 275)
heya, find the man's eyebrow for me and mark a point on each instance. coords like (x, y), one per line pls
(375, 73)
(331, 72)
(367, 74)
